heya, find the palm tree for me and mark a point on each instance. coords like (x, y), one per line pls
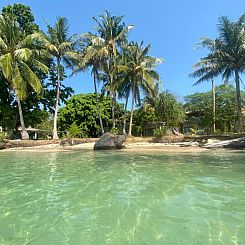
(228, 57)
(231, 56)
(113, 32)
(141, 72)
(93, 54)
(207, 69)
(18, 56)
(62, 48)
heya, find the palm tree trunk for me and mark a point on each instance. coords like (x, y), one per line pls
(98, 106)
(132, 111)
(124, 116)
(214, 106)
(24, 134)
(239, 104)
(55, 133)
(113, 104)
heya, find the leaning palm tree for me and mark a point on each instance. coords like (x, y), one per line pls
(62, 48)
(18, 56)
(141, 72)
(113, 32)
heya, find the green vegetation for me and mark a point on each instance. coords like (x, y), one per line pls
(81, 111)
(200, 107)
(18, 56)
(34, 64)
(162, 110)
(2, 137)
(160, 132)
(61, 48)
(227, 57)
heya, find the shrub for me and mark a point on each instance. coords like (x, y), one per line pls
(75, 131)
(160, 132)
(2, 136)
(115, 131)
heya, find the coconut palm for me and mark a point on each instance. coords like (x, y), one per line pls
(93, 54)
(207, 69)
(231, 56)
(228, 57)
(18, 56)
(113, 32)
(141, 72)
(62, 48)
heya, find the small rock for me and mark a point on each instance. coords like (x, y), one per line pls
(67, 142)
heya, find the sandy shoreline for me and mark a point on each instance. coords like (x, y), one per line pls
(141, 146)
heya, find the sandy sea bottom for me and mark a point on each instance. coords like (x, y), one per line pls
(122, 197)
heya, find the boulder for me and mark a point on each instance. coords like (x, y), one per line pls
(110, 141)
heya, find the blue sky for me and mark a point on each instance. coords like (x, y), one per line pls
(172, 28)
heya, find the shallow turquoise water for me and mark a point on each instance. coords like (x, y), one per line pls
(122, 198)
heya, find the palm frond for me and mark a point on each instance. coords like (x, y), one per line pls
(23, 54)
(3, 45)
(31, 77)
(6, 62)
(19, 84)
(39, 65)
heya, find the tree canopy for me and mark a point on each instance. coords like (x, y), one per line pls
(81, 109)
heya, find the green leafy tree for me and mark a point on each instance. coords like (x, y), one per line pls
(143, 117)
(81, 109)
(169, 110)
(18, 54)
(199, 111)
(23, 16)
(199, 107)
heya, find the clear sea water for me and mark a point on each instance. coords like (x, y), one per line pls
(87, 197)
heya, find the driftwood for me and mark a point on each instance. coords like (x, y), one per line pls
(238, 143)
(187, 144)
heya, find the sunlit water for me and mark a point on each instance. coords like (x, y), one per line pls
(122, 198)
